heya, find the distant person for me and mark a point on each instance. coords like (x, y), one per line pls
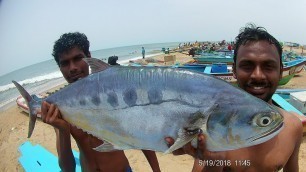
(143, 52)
(167, 51)
(212, 48)
(112, 60)
(192, 52)
(68, 53)
(229, 47)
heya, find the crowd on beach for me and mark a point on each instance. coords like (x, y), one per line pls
(197, 48)
(207, 45)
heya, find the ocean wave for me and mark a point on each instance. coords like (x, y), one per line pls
(5, 103)
(49, 76)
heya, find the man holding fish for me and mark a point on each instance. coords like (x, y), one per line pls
(68, 52)
(257, 68)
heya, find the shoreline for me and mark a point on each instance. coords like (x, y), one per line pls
(14, 126)
(40, 89)
(126, 61)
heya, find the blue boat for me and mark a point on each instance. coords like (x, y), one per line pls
(209, 59)
(220, 70)
(194, 67)
(281, 99)
(220, 56)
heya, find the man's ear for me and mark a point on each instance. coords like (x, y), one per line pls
(89, 55)
(234, 70)
(281, 71)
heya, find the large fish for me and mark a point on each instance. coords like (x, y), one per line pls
(137, 107)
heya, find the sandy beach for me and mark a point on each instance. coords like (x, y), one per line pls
(14, 128)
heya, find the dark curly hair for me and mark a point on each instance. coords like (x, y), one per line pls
(68, 41)
(253, 33)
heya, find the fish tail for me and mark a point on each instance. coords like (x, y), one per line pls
(32, 104)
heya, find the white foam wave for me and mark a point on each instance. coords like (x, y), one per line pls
(49, 76)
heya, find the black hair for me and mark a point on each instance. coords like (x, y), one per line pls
(68, 41)
(253, 33)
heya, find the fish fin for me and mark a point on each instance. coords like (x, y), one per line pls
(183, 138)
(109, 147)
(96, 65)
(192, 129)
(106, 147)
(200, 117)
(32, 104)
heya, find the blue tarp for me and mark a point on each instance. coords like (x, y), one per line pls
(37, 158)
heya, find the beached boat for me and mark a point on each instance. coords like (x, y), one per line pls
(283, 99)
(222, 71)
(209, 58)
(21, 104)
(194, 67)
(290, 69)
(219, 56)
(290, 95)
(285, 93)
(299, 63)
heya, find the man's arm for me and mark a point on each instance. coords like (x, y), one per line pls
(292, 164)
(65, 156)
(152, 159)
(52, 116)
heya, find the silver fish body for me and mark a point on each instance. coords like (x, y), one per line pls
(137, 107)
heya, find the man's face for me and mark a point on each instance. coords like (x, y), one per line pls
(72, 66)
(258, 69)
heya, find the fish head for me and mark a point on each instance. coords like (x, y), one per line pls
(242, 128)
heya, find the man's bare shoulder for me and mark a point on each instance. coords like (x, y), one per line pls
(293, 125)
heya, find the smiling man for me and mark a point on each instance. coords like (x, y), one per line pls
(258, 66)
(258, 69)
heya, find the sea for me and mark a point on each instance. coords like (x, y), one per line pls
(39, 77)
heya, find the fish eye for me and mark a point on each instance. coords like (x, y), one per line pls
(264, 121)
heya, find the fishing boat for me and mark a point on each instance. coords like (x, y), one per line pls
(219, 56)
(290, 69)
(21, 104)
(209, 58)
(193, 67)
(288, 102)
(285, 93)
(299, 63)
(222, 71)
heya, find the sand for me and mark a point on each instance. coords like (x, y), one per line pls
(14, 126)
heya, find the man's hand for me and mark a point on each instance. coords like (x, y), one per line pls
(186, 149)
(51, 115)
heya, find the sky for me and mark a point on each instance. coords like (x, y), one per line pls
(29, 28)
